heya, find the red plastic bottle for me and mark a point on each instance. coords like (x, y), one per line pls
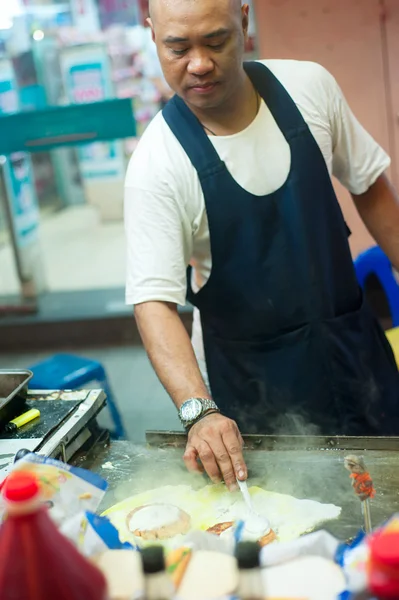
(36, 561)
(383, 572)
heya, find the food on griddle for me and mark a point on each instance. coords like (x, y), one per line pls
(158, 521)
(363, 486)
(220, 527)
(361, 479)
(212, 505)
(267, 539)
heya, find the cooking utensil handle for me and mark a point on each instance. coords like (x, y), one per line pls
(245, 492)
(367, 516)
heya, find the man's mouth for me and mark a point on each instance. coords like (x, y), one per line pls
(204, 88)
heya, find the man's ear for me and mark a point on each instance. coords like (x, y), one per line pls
(151, 24)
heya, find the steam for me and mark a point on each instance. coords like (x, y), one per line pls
(294, 424)
(137, 468)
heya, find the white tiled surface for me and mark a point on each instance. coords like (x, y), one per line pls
(79, 253)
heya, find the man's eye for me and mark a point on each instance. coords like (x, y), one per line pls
(217, 46)
(179, 52)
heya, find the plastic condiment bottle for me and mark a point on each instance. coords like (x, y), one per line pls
(250, 586)
(383, 575)
(36, 561)
(158, 585)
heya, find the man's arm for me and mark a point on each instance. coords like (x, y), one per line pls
(359, 163)
(379, 210)
(215, 439)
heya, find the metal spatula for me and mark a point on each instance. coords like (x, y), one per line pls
(256, 523)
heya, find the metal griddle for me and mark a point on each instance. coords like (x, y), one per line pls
(306, 467)
(67, 424)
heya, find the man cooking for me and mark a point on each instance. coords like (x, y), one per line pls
(234, 178)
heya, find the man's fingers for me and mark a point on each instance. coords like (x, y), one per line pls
(208, 460)
(233, 442)
(225, 465)
(218, 444)
(190, 459)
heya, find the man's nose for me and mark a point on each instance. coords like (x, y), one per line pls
(200, 63)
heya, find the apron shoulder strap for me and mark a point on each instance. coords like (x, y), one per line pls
(195, 142)
(278, 100)
(192, 137)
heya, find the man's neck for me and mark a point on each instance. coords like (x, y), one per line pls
(235, 114)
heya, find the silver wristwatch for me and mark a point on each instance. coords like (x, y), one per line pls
(194, 408)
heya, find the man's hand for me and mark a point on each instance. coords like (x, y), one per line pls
(215, 439)
(217, 442)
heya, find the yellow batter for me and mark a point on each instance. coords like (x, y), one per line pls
(289, 517)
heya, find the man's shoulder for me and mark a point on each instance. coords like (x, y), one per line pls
(297, 69)
(302, 77)
(157, 155)
(156, 138)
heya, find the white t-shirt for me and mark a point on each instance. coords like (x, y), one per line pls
(165, 217)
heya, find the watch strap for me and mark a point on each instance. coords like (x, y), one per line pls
(208, 404)
(205, 414)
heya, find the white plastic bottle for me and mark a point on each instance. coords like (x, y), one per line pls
(250, 586)
(157, 583)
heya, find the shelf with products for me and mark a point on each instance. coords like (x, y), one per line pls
(127, 49)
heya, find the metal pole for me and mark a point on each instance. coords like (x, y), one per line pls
(27, 284)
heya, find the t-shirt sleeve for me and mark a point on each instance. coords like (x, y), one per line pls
(158, 230)
(158, 247)
(358, 160)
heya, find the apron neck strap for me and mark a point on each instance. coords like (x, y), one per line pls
(276, 97)
(191, 135)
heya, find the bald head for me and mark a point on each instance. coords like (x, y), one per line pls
(156, 6)
(200, 46)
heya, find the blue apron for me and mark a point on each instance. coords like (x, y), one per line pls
(288, 337)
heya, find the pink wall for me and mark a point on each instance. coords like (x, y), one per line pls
(392, 38)
(347, 38)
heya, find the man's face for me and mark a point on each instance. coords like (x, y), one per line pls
(200, 46)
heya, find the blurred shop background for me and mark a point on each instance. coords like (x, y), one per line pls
(63, 208)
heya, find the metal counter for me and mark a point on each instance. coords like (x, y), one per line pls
(302, 466)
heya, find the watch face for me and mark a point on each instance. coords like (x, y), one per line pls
(191, 410)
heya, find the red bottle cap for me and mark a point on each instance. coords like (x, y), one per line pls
(20, 486)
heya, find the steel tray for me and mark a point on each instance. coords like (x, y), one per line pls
(13, 385)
